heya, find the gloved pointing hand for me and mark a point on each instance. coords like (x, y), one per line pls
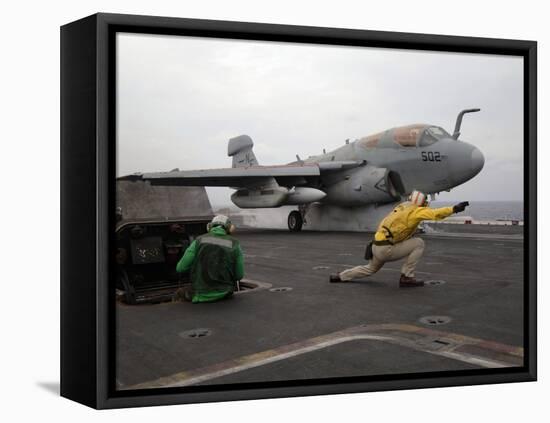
(460, 207)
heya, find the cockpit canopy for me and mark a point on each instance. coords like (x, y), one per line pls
(431, 135)
(418, 135)
(406, 136)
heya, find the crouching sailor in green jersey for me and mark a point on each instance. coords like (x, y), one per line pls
(215, 260)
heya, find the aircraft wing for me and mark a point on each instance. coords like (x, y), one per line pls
(286, 175)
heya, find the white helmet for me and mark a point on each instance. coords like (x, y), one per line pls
(223, 221)
(418, 198)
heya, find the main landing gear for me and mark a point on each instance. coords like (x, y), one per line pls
(296, 219)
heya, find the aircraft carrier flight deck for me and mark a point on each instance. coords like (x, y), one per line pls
(289, 323)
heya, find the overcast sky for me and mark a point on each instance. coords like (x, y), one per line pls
(181, 98)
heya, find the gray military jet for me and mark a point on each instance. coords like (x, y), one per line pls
(377, 169)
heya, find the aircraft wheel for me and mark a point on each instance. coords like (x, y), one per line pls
(295, 221)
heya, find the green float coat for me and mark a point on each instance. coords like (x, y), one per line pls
(216, 263)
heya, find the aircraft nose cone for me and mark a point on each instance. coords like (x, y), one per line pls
(477, 161)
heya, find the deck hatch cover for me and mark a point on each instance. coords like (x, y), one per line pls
(281, 289)
(196, 333)
(434, 320)
(435, 282)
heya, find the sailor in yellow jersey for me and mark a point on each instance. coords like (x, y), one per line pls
(394, 239)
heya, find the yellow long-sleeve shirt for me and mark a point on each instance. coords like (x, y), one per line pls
(403, 220)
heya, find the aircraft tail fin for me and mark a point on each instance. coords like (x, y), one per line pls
(240, 148)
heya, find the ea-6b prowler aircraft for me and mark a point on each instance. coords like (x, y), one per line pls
(380, 168)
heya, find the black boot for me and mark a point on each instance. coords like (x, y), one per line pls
(408, 282)
(335, 277)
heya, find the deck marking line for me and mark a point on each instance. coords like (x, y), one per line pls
(409, 336)
(250, 363)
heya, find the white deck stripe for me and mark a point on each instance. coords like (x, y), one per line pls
(466, 358)
(478, 361)
(273, 359)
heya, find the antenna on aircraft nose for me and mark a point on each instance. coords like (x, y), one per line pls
(458, 123)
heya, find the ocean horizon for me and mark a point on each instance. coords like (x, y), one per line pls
(489, 210)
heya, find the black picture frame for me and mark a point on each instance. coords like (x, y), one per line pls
(87, 197)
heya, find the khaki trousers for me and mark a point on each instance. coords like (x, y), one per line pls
(411, 248)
